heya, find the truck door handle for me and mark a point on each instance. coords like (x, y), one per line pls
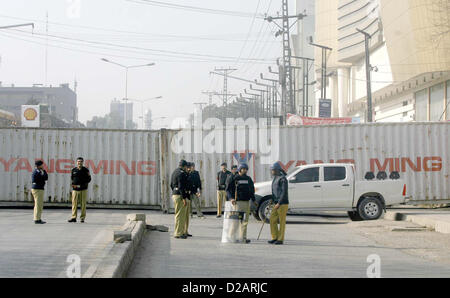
(317, 186)
(346, 185)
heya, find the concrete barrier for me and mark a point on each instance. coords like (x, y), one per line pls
(118, 257)
(430, 221)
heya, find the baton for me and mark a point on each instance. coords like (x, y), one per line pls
(264, 221)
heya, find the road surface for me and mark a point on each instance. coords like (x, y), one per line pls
(315, 247)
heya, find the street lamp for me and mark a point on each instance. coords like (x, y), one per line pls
(142, 105)
(126, 82)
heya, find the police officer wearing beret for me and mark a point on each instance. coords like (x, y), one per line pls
(242, 189)
(180, 193)
(38, 179)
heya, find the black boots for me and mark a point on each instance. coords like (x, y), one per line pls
(72, 220)
(39, 222)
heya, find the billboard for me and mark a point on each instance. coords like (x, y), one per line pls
(31, 116)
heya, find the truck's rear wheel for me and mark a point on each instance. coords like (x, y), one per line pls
(264, 210)
(370, 209)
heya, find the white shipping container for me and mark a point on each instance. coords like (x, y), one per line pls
(134, 167)
(123, 164)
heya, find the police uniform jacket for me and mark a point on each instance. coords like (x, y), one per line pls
(244, 187)
(80, 178)
(179, 183)
(38, 179)
(222, 179)
(280, 190)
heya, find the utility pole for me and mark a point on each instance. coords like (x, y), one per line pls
(210, 96)
(286, 81)
(367, 38)
(323, 92)
(225, 95)
(305, 83)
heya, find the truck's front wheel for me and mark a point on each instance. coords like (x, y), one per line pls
(265, 210)
(370, 209)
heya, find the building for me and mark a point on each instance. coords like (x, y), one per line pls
(118, 108)
(62, 101)
(148, 120)
(409, 53)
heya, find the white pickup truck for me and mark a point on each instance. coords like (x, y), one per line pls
(333, 187)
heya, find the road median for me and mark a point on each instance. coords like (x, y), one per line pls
(119, 255)
(439, 222)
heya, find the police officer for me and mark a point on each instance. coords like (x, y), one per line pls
(80, 177)
(221, 187)
(234, 172)
(242, 190)
(281, 200)
(180, 193)
(38, 178)
(195, 183)
(188, 208)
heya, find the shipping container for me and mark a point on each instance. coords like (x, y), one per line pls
(123, 164)
(133, 168)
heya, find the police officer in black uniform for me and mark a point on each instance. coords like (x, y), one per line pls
(234, 172)
(180, 193)
(195, 183)
(221, 188)
(81, 178)
(242, 190)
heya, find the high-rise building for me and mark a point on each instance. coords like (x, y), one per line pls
(148, 120)
(118, 108)
(409, 55)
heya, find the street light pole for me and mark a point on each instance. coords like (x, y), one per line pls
(142, 106)
(126, 84)
(367, 38)
(323, 92)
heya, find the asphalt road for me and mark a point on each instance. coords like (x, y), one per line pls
(29, 250)
(315, 247)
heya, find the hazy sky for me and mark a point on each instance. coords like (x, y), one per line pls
(133, 30)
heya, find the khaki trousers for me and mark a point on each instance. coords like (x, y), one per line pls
(196, 202)
(79, 197)
(38, 195)
(221, 198)
(180, 215)
(188, 215)
(243, 206)
(278, 216)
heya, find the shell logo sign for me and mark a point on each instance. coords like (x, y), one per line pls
(30, 116)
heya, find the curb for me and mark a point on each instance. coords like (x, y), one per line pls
(119, 255)
(437, 225)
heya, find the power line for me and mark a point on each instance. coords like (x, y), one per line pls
(155, 51)
(195, 9)
(114, 55)
(249, 32)
(125, 32)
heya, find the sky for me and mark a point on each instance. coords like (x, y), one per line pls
(185, 45)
